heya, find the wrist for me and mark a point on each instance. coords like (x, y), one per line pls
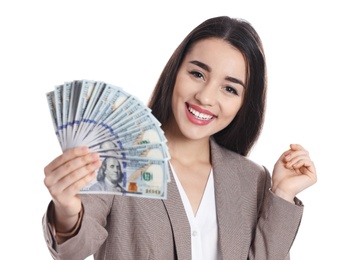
(64, 232)
(284, 195)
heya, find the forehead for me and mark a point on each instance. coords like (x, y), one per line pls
(214, 47)
(219, 55)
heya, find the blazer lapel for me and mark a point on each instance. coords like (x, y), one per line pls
(229, 214)
(178, 220)
(227, 194)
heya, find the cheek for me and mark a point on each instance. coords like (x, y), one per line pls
(183, 86)
(229, 115)
(177, 98)
(173, 101)
(231, 108)
(177, 92)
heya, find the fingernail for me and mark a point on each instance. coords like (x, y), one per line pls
(97, 163)
(85, 149)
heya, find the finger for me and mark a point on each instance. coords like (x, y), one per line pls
(75, 180)
(75, 164)
(75, 187)
(295, 147)
(293, 155)
(65, 157)
(283, 156)
(305, 165)
(70, 167)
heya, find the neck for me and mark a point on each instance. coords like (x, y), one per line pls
(187, 151)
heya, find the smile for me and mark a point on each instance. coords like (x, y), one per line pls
(199, 115)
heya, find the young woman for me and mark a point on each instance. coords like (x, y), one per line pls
(210, 99)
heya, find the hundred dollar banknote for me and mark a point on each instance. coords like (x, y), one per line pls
(121, 128)
(131, 177)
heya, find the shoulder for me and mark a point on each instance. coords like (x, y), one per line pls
(227, 158)
(235, 172)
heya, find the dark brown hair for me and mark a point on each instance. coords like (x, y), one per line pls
(242, 133)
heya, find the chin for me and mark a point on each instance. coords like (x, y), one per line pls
(195, 135)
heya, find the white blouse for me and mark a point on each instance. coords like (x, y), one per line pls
(204, 227)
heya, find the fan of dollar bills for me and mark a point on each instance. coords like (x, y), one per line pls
(118, 126)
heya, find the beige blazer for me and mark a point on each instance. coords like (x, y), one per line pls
(253, 223)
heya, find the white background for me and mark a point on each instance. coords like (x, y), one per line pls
(127, 43)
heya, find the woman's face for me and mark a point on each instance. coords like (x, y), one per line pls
(209, 88)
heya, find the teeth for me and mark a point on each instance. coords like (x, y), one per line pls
(199, 115)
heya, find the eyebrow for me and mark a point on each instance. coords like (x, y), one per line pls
(207, 68)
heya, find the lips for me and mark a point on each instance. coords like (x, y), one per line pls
(199, 116)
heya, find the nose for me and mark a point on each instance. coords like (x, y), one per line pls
(207, 94)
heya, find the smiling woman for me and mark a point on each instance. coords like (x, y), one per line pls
(210, 99)
(204, 89)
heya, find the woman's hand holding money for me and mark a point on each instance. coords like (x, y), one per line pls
(65, 176)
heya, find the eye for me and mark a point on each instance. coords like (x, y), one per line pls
(231, 90)
(197, 74)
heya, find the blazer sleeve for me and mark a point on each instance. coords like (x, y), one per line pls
(91, 234)
(277, 225)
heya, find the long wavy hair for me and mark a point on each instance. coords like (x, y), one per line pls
(242, 133)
